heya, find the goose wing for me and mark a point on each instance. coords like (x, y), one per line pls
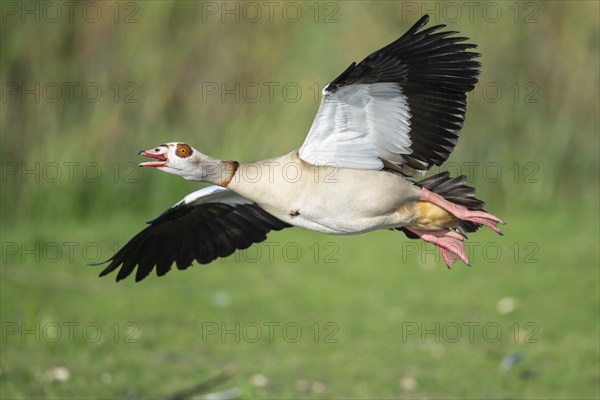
(400, 108)
(209, 223)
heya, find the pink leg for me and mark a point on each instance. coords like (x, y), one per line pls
(479, 217)
(449, 243)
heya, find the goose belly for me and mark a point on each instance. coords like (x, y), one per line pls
(336, 201)
(342, 226)
(346, 207)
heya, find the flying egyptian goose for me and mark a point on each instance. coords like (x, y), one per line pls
(389, 118)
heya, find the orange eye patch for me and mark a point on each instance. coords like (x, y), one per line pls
(183, 150)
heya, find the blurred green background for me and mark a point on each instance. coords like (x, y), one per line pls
(87, 85)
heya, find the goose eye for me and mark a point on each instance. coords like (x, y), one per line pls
(183, 150)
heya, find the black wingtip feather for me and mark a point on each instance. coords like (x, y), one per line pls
(418, 25)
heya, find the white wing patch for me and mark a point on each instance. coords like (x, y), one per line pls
(359, 125)
(214, 194)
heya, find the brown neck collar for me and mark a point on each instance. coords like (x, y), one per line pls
(230, 170)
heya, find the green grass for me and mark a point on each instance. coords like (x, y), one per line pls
(373, 297)
(378, 287)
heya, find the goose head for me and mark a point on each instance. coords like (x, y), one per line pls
(181, 159)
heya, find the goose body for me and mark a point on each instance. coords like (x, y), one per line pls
(381, 122)
(304, 194)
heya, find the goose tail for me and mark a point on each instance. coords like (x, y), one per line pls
(454, 190)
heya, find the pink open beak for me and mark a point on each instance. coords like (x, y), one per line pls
(158, 153)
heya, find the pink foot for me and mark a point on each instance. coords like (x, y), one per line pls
(479, 217)
(449, 243)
